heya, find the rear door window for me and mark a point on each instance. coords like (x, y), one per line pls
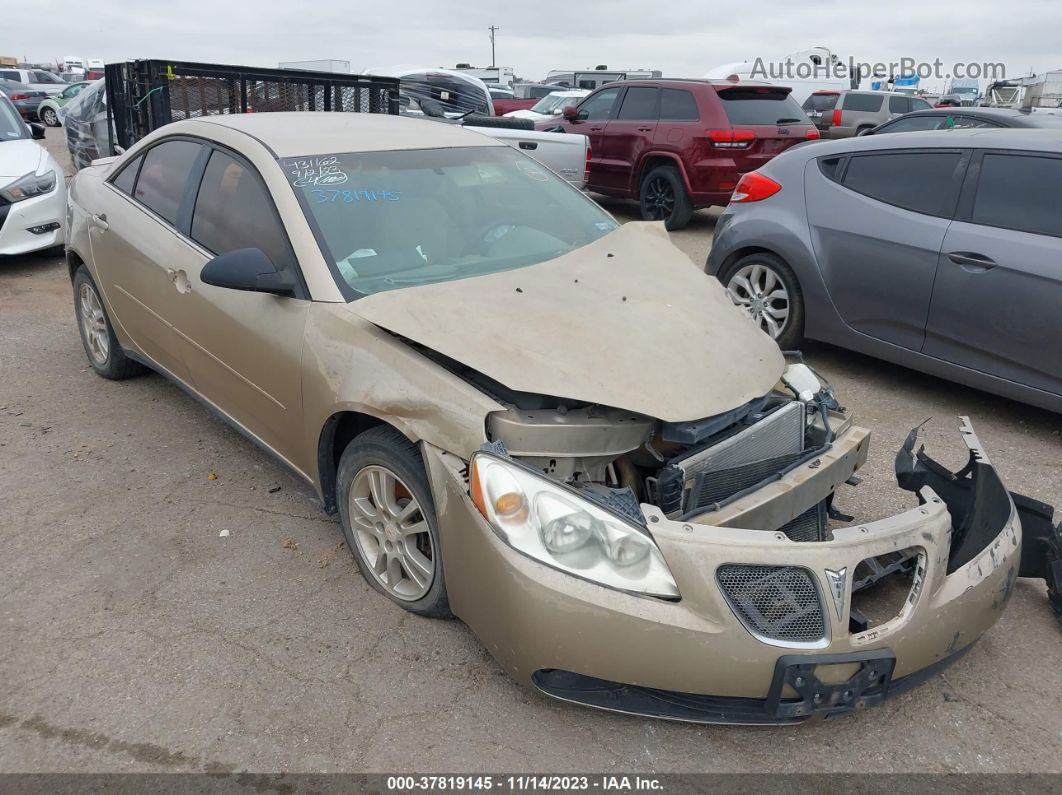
(1021, 192)
(164, 176)
(233, 210)
(127, 176)
(821, 102)
(598, 107)
(913, 124)
(11, 76)
(639, 104)
(923, 182)
(864, 103)
(899, 104)
(761, 106)
(678, 105)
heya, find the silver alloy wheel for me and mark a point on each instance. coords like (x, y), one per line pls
(93, 324)
(50, 118)
(392, 533)
(760, 291)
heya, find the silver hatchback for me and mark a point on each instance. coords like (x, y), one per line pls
(937, 252)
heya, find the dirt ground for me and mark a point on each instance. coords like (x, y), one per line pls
(135, 637)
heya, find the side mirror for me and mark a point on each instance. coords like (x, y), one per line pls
(37, 130)
(570, 112)
(248, 269)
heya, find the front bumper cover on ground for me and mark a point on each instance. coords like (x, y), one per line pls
(694, 659)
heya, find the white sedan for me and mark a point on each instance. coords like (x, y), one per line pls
(32, 187)
(550, 105)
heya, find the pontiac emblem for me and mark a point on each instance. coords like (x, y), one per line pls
(837, 585)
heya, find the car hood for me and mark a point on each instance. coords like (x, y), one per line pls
(627, 321)
(18, 158)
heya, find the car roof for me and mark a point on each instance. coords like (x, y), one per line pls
(687, 82)
(1026, 139)
(985, 113)
(290, 134)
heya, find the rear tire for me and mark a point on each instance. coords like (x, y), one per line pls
(104, 352)
(388, 518)
(766, 287)
(50, 117)
(663, 197)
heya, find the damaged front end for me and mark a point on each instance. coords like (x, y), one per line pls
(735, 591)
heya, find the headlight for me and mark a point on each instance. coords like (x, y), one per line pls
(554, 525)
(29, 186)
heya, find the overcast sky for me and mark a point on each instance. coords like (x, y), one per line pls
(683, 38)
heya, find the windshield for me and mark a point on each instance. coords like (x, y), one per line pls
(11, 126)
(387, 220)
(547, 105)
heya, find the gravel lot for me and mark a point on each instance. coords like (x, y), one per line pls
(134, 638)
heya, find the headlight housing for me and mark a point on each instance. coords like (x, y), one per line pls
(554, 525)
(29, 186)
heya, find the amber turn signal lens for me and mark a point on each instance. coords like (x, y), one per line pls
(511, 507)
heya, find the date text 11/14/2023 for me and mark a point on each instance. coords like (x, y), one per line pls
(523, 783)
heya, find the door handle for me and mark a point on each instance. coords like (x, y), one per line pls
(975, 263)
(596, 129)
(100, 221)
(645, 129)
(528, 145)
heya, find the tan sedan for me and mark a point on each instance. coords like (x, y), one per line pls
(553, 427)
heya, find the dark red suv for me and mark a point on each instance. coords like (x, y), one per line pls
(677, 145)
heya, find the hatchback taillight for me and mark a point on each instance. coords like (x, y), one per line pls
(754, 187)
(14, 97)
(731, 139)
(836, 120)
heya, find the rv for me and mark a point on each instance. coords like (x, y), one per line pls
(597, 77)
(807, 71)
(491, 75)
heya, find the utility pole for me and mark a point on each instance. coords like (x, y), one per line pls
(492, 29)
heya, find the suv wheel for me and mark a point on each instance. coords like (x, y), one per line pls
(663, 197)
(388, 519)
(766, 287)
(104, 352)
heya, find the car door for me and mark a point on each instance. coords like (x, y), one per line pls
(998, 292)
(628, 136)
(134, 244)
(591, 117)
(243, 349)
(877, 222)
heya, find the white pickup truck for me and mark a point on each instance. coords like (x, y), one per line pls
(564, 153)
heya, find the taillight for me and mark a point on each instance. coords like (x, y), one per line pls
(812, 134)
(754, 187)
(836, 120)
(731, 139)
(586, 171)
(13, 97)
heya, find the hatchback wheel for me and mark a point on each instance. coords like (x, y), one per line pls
(104, 352)
(663, 197)
(765, 287)
(50, 117)
(388, 519)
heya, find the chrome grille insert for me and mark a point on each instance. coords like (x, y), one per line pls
(778, 604)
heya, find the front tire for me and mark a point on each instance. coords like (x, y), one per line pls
(104, 352)
(50, 117)
(388, 518)
(766, 287)
(663, 197)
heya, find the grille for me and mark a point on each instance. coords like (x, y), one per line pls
(809, 526)
(774, 602)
